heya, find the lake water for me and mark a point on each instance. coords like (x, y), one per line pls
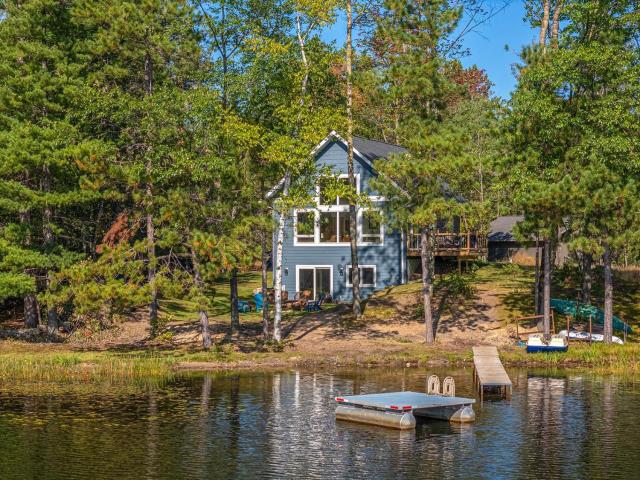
(281, 425)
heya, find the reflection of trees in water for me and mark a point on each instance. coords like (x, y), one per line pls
(282, 425)
(201, 430)
(152, 436)
(554, 429)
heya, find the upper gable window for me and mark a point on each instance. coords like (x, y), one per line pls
(325, 200)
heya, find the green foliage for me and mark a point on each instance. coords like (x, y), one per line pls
(102, 291)
(425, 185)
(15, 285)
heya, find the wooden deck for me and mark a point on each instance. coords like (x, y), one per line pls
(488, 372)
(466, 246)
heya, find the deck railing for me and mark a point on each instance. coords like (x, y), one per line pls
(451, 244)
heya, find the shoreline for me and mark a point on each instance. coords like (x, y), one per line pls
(31, 363)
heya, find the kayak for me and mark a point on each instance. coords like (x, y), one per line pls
(576, 309)
(584, 337)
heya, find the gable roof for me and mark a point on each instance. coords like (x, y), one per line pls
(374, 149)
(368, 150)
(501, 229)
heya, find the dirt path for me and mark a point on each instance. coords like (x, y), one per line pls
(476, 321)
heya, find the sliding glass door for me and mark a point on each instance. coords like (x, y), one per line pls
(315, 279)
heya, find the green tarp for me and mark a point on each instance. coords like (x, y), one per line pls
(569, 307)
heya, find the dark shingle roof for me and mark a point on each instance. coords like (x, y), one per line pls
(501, 229)
(373, 149)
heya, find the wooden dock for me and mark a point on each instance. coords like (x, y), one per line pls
(488, 372)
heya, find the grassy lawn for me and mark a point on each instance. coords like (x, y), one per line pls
(508, 287)
(174, 310)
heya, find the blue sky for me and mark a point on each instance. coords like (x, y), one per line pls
(486, 45)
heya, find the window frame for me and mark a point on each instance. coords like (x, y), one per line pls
(314, 267)
(337, 204)
(361, 240)
(295, 226)
(375, 276)
(340, 210)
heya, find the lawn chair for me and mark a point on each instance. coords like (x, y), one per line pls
(257, 298)
(315, 305)
(243, 306)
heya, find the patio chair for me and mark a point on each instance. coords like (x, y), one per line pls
(243, 306)
(260, 304)
(315, 305)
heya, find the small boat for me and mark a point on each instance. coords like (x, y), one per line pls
(537, 343)
(585, 337)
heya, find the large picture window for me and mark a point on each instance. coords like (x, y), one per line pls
(367, 275)
(334, 227)
(371, 227)
(330, 222)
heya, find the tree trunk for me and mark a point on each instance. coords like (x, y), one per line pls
(265, 307)
(555, 27)
(30, 302)
(49, 240)
(537, 278)
(151, 269)
(546, 325)
(353, 212)
(151, 238)
(235, 315)
(585, 291)
(202, 310)
(30, 311)
(277, 315)
(427, 286)
(608, 295)
(544, 23)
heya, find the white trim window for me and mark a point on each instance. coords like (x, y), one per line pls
(315, 278)
(371, 227)
(368, 274)
(336, 201)
(329, 224)
(304, 226)
(333, 227)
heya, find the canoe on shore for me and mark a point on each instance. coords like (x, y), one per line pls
(585, 337)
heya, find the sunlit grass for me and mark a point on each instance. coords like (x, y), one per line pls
(597, 357)
(82, 366)
(178, 310)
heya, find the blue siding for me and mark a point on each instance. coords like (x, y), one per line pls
(387, 257)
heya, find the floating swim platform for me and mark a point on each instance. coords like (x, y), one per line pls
(399, 409)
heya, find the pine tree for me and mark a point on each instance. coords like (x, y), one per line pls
(133, 52)
(575, 116)
(420, 186)
(41, 151)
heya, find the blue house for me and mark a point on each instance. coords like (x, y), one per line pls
(316, 249)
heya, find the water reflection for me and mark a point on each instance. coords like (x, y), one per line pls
(281, 425)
